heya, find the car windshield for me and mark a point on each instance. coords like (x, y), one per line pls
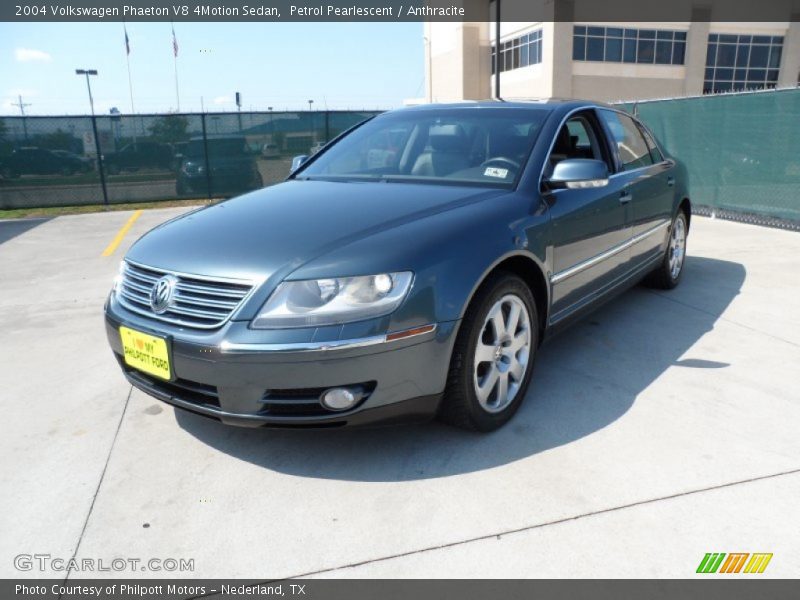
(477, 145)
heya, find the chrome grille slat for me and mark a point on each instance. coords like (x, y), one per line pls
(132, 296)
(141, 275)
(203, 314)
(198, 302)
(131, 283)
(211, 291)
(226, 304)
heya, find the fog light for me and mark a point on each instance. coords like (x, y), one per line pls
(338, 399)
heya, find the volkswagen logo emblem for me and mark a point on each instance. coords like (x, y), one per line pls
(161, 294)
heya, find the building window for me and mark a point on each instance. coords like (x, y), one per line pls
(519, 52)
(742, 62)
(617, 44)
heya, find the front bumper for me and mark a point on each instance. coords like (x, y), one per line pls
(403, 379)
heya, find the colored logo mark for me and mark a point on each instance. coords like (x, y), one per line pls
(735, 562)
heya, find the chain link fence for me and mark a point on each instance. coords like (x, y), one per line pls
(742, 151)
(52, 161)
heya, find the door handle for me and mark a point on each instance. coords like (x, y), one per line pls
(670, 181)
(625, 197)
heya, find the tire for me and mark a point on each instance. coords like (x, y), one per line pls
(668, 274)
(464, 405)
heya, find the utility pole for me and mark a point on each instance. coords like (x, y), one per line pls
(22, 106)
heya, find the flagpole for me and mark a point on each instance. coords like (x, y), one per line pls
(128, 61)
(175, 58)
(130, 80)
(130, 84)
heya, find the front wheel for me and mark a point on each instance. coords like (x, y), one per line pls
(668, 274)
(493, 356)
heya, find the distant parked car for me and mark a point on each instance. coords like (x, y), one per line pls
(270, 151)
(87, 163)
(39, 161)
(233, 168)
(141, 155)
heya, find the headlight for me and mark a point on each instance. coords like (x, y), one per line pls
(118, 278)
(319, 302)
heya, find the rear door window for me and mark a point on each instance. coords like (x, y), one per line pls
(632, 148)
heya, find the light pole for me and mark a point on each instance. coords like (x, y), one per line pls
(88, 72)
(310, 102)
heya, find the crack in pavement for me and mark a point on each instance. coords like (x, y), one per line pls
(97, 489)
(545, 524)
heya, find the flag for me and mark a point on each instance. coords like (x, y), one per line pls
(127, 41)
(174, 43)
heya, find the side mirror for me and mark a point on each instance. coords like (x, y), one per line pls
(297, 162)
(579, 173)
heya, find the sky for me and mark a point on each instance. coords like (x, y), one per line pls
(283, 65)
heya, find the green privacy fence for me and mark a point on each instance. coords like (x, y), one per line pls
(53, 160)
(742, 150)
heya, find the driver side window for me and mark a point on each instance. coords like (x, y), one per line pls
(576, 139)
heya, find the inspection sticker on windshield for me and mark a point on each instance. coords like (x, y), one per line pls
(495, 172)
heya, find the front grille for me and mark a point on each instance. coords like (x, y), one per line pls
(197, 301)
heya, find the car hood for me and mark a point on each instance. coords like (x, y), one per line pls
(273, 231)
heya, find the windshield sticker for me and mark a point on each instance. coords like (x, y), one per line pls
(495, 172)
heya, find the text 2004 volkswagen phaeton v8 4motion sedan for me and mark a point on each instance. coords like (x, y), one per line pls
(409, 269)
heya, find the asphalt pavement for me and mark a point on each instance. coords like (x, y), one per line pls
(662, 427)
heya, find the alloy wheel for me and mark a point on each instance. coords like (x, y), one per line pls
(502, 353)
(677, 247)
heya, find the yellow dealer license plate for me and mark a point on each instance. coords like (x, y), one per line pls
(146, 352)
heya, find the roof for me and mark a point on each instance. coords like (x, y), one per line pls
(539, 103)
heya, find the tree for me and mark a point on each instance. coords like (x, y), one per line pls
(170, 129)
(57, 140)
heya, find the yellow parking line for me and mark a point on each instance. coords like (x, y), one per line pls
(121, 234)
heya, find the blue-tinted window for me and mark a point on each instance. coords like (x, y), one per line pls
(726, 55)
(742, 56)
(613, 49)
(759, 56)
(742, 62)
(775, 57)
(646, 51)
(663, 53)
(629, 51)
(594, 48)
(615, 44)
(520, 51)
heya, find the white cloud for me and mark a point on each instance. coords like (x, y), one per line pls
(222, 100)
(31, 55)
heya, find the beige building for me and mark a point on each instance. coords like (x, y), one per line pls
(608, 61)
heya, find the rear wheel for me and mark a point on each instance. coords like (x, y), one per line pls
(493, 357)
(668, 274)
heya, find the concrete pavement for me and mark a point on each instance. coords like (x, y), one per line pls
(662, 427)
